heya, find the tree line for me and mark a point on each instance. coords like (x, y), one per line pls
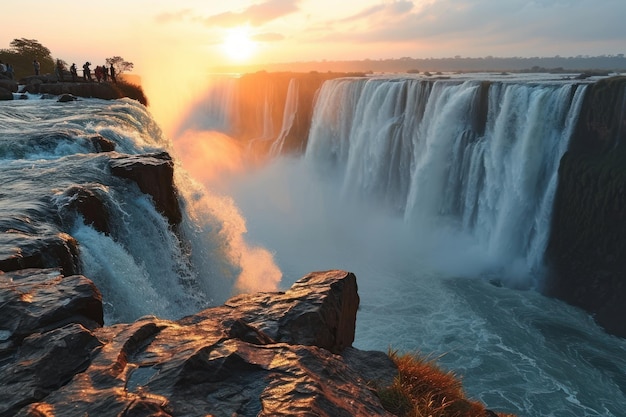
(22, 52)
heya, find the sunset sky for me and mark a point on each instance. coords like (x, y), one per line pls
(295, 30)
(192, 36)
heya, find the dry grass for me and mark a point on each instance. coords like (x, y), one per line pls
(421, 389)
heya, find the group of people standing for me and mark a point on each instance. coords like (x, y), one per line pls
(6, 70)
(101, 73)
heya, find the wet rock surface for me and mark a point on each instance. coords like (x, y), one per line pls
(154, 174)
(266, 354)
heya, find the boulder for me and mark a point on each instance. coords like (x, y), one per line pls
(102, 144)
(5, 94)
(37, 300)
(43, 363)
(64, 98)
(32, 84)
(318, 310)
(10, 85)
(87, 201)
(246, 358)
(22, 250)
(154, 174)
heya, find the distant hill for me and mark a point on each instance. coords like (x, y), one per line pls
(607, 63)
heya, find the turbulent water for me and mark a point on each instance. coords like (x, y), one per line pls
(143, 266)
(436, 194)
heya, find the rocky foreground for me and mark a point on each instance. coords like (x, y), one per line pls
(268, 354)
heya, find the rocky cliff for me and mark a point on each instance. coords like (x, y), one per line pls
(267, 354)
(587, 249)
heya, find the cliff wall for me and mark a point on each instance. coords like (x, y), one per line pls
(587, 248)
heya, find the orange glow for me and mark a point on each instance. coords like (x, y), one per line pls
(207, 155)
(238, 45)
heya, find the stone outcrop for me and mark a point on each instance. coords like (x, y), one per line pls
(20, 250)
(154, 174)
(87, 201)
(264, 354)
(5, 94)
(9, 85)
(43, 85)
(587, 249)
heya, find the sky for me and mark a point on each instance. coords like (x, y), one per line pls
(189, 37)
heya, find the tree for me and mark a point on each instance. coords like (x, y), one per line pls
(30, 47)
(22, 53)
(119, 64)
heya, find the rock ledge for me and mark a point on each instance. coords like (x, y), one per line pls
(266, 354)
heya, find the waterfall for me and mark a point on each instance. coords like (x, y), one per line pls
(289, 116)
(477, 157)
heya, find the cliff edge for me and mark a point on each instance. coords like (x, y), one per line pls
(587, 249)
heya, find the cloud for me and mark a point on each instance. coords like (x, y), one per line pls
(255, 15)
(395, 8)
(268, 37)
(484, 22)
(174, 16)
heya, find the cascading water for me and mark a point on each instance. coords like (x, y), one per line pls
(418, 146)
(142, 266)
(289, 115)
(423, 189)
(431, 192)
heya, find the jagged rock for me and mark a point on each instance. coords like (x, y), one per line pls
(86, 200)
(102, 144)
(154, 174)
(318, 310)
(37, 300)
(244, 358)
(64, 98)
(22, 250)
(43, 363)
(374, 366)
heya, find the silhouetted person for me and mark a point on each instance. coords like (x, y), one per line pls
(36, 66)
(86, 71)
(59, 70)
(98, 73)
(74, 72)
(105, 73)
(113, 74)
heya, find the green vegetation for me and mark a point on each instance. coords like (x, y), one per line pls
(21, 54)
(121, 66)
(421, 389)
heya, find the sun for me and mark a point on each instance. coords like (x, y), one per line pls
(238, 45)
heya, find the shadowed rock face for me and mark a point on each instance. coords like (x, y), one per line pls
(587, 249)
(154, 174)
(266, 354)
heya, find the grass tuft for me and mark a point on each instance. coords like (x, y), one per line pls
(421, 389)
(132, 91)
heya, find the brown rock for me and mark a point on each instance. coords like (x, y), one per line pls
(37, 300)
(87, 201)
(22, 250)
(154, 174)
(222, 363)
